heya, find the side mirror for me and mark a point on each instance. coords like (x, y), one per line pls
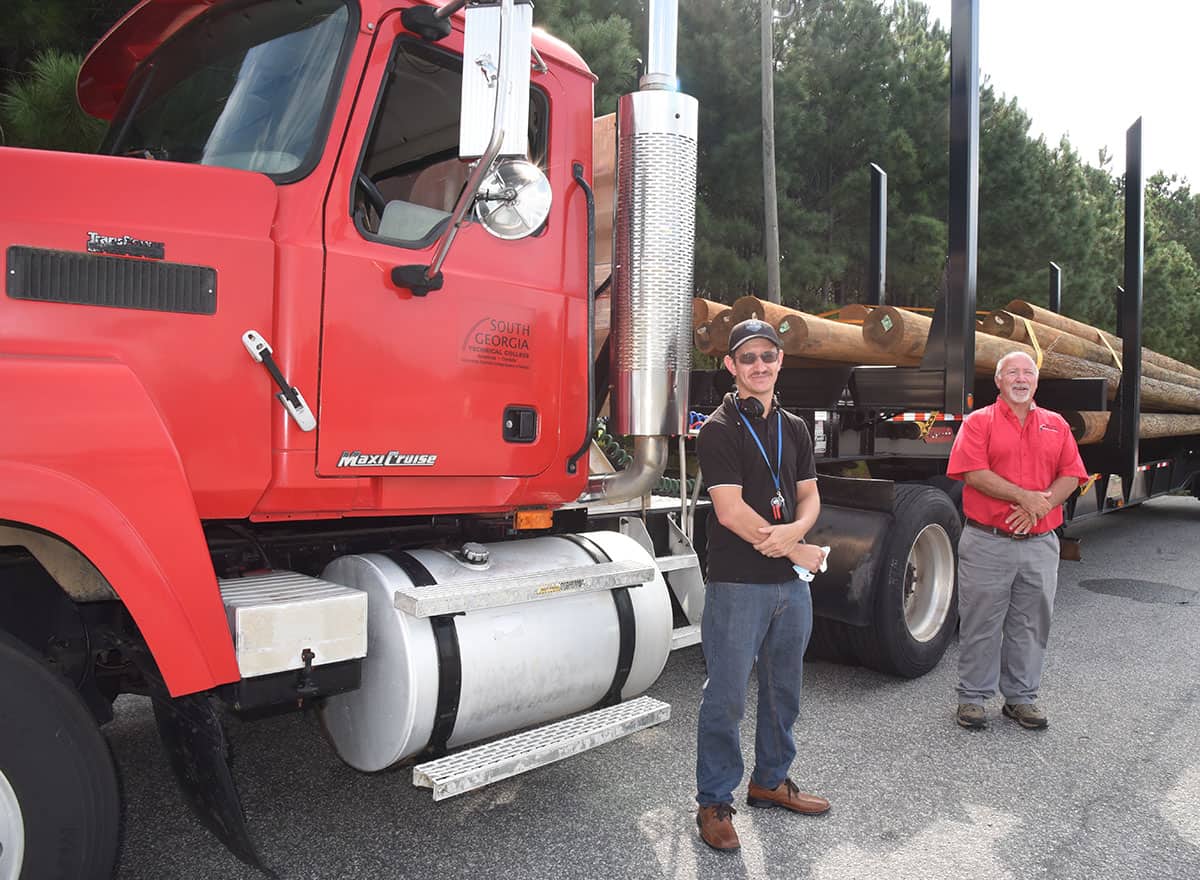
(494, 123)
(514, 200)
(497, 46)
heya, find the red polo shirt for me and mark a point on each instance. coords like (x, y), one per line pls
(1031, 456)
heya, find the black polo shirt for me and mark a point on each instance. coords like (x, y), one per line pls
(730, 457)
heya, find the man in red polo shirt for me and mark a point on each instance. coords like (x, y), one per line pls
(1019, 463)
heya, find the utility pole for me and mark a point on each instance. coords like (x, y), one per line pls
(770, 199)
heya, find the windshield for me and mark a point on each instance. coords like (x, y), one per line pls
(242, 87)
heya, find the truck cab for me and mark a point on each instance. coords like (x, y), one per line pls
(300, 369)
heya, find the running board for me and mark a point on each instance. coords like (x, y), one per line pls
(482, 765)
(675, 563)
(460, 596)
(685, 636)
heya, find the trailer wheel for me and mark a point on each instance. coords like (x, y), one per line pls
(831, 641)
(916, 596)
(59, 800)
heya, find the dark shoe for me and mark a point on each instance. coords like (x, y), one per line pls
(1027, 715)
(789, 797)
(716, 827)
(971, 716)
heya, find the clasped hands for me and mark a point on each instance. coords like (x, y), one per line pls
(1032, 506)
(785, 540)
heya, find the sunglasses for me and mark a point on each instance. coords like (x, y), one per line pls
(769, 356)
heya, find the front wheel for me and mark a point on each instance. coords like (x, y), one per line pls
(59, 801)
(916, 597)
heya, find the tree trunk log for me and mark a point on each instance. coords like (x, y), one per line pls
(702, 339)
(1090, 427)
(853, 312)
(1009, 326)
(812, 337)
(903, 334)
(1052, 319)
(718, 330)
(704, 310)
(747, 307)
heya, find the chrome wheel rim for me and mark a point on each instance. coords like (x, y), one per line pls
(928, 583)
(12, 832)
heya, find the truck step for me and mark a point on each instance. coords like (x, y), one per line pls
(273, 617)
(482, 765)
(676, 563)
(472, 595)
(685, 636)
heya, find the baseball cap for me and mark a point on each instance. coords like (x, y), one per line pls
(752, 329)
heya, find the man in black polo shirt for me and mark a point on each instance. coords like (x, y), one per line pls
(757, 461)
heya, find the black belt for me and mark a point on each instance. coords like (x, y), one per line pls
(1000, 533)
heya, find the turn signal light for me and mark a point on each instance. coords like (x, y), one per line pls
(527, 520)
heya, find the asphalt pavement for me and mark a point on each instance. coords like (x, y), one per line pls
(1110, 790)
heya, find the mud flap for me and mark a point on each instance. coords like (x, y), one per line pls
(195, 742)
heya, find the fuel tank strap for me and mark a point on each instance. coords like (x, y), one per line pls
(449, 658)
(626, 625)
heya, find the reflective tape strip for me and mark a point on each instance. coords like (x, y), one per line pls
(925, 417)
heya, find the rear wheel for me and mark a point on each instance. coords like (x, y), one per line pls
(916, 598)
(59, 801)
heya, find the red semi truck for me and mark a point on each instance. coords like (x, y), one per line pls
(299, 383)
(298, 411)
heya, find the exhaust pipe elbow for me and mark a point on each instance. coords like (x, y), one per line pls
(638, 478)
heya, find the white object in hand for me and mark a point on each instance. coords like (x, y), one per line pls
(805, 575)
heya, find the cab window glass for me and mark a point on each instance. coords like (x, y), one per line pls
(246, 86)
(410, 176)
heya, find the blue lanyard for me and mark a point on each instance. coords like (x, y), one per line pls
(778, 469)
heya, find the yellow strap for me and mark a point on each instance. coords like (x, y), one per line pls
(1104, 339)
(1037, 349)
(1088, 485)
(830, 313)
(928, 423)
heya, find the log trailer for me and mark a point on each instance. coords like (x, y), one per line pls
(299, 385)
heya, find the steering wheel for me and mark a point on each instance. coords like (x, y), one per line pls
(371, 191)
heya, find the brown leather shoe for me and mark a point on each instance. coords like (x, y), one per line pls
(788, 796)
(716, 827)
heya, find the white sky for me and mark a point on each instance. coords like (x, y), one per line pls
(1090, 68)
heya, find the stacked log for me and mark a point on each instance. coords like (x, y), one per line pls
(604, 184)
(1090, 427)
(1170, 390)
(704, 310)
(903, 335)
(853, 312)
(1086, 331)
(1017, 328)
(802, 334)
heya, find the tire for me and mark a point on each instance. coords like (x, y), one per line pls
(60, 808)
(952, 488)
(830, 641)
(916, 589)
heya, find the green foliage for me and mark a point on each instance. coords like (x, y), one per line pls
(604, 39)
(41, 111)
(42, 45)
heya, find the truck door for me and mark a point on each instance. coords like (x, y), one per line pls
(469, 379)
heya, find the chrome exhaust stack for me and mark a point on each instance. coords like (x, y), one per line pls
(653, 250)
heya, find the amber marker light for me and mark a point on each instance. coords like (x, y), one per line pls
(537, 518)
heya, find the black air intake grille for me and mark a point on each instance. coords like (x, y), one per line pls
(92, 280)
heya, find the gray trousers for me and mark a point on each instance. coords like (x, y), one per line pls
(1005, 599)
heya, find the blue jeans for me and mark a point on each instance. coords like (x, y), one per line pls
(742, 622)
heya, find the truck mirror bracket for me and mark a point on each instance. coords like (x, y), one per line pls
(425, 22)
(416, 279)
